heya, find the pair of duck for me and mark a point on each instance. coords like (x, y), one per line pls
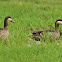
(53, 34)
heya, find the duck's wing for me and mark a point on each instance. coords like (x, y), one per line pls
(1, 28)
(49, 30)
(41, 31)
(37, 31)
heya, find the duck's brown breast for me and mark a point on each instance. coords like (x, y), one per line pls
(4, 34)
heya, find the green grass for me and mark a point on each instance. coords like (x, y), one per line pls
(37, 14)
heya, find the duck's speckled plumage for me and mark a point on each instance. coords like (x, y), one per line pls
(4, 34)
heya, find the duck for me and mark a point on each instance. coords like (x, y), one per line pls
(4, 32)
(53, 34)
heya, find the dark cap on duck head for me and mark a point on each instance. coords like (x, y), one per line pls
(8, 18)
(59, 21)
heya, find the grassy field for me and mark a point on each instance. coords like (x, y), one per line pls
(36, 14)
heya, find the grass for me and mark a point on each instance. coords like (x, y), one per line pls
(29, 14)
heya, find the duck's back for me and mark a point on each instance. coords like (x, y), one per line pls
(54, 35)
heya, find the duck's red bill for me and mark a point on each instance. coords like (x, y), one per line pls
(13, 21)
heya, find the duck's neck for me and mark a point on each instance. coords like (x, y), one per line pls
(57, 27)
(6, 25)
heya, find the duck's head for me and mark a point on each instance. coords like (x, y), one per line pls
(59, 21)
(8, 19)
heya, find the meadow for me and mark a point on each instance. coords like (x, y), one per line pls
(36, 14)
